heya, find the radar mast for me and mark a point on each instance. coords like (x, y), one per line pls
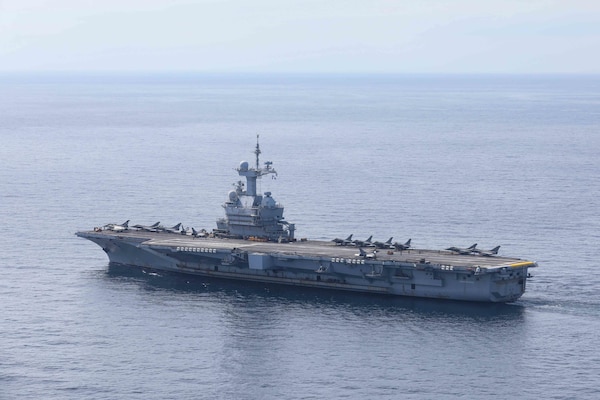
(257, 152)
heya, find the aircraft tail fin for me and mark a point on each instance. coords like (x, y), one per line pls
(495, 250)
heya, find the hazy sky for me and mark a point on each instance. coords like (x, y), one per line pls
(430, 36)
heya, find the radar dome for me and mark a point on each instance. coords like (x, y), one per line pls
(268, 202)
(244, 166)
(233, 197)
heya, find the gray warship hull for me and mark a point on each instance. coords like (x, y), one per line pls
(436, 274)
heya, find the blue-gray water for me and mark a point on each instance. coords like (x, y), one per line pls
(509, 160)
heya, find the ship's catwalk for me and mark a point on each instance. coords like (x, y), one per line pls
(255, 243)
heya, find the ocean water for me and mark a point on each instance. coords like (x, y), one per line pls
(444, 160)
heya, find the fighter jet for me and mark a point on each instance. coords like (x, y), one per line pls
(361, 243)
(402, 246)
(460, 250)
(343, 242)
(116, 227)
(152, 228)
(174, 229)
(382, 245)
(202, 233)
(490, 253)
(187, 231)
(364, 254)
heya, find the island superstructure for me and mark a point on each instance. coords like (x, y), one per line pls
(253, 242)
(251, 215)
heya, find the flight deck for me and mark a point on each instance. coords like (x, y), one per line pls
(320, 249)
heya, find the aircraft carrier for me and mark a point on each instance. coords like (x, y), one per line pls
(254, 242)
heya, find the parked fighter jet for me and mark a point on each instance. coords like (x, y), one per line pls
(382, 245)
(361, 243)
(174, 229)
(116, 227)
(364, 254)
(343, 242)
(402, 246)
(152, 228)
(202, 233)
(490, 253)
(460, 250)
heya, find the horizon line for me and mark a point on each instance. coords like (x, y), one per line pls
(173, 72)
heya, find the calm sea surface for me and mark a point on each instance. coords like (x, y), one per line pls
(444, 160)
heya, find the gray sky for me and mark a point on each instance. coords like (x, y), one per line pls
(395, 36)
